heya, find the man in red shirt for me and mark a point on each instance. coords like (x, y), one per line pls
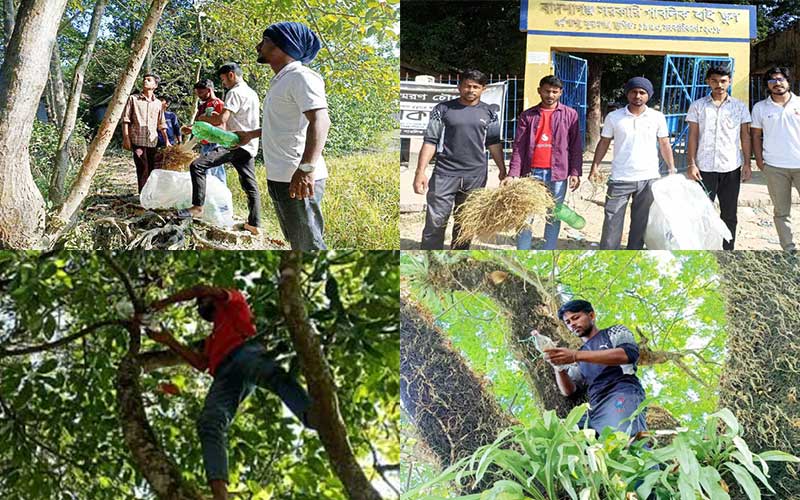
(238, 364)
(209, 104)
(547, 147)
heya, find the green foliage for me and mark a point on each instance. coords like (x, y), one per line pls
(356, 123)
(59, 431)
(359, 205)
(43, 147)
(553, 458)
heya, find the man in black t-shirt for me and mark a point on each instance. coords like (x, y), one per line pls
(459, 133)
(605, 365)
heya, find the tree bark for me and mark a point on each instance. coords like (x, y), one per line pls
(56, 82)
(453, 411)
(594, 113)
(321, 387)
(80, 187)
(71, 115)
(530, 306)
(22, 81)
(760, 381)
(160, 471)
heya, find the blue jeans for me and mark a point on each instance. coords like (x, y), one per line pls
(218, 172)
(553, 225)
(613, 409)
(236, 378)
(301, 220)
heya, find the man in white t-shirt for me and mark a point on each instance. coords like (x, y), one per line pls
(639, 133)
(776, 144)
(240, 113)
(718, 153)
(293, 131)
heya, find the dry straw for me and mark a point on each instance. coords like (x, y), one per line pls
(178, 156)
(506, 208)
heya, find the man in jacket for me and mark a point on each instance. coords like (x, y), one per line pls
(548, 147)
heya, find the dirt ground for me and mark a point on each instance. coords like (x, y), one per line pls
(113, 218)
(755, 231)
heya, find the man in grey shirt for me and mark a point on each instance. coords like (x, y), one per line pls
(459, 133)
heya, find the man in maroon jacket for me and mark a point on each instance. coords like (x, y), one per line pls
(548, 147)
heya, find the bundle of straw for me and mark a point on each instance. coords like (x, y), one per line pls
(178, 156)
(509, 207)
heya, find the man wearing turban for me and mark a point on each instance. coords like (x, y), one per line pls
(293, 132)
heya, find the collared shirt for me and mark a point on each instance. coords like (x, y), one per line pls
(242, 102)
(719, 148)
(295, 90)
(566, 156)
(462, 134)
(781, 126)
(635, 143)
(145, 118)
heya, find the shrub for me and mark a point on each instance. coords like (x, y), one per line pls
(555, 459)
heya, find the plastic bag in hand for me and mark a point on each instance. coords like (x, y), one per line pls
(682, 217)
(543, 342)
(170, 189)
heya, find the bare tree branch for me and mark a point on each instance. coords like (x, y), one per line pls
(62, 341)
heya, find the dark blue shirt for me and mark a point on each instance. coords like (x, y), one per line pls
(603, 380)
(173, 129)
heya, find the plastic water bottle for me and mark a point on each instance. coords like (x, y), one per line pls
(566, 214)
(210, 133)
(544, 342)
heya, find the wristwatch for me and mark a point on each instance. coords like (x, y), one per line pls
(307, 167)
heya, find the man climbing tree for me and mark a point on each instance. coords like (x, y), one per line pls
(605, 365)
(238, 364)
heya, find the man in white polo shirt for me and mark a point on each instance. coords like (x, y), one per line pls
(639, 133)
(719, 145)
(293, 132)
(776, 143)
(240, 113)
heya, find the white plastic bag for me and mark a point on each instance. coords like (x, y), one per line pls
(170, 189)
(682, 217)
(542, 342)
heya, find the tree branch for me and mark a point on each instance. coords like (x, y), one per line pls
(321, 387)
(63, 341)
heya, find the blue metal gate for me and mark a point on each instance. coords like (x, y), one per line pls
(683, 83)
(573, 71)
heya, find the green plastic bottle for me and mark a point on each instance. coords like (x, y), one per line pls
(566, 214)
(210, 133)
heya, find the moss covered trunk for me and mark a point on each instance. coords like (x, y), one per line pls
(453, 411)
(761, 379)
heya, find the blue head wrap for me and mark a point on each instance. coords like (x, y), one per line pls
(296, 39)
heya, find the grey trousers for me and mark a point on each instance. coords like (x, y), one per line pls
(445, 195)
(779, 185)
(616, 202)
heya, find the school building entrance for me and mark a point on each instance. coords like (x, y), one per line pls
(690, 36)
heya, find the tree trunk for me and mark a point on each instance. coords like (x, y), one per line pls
(321, 386)
(160, 471)
(594, 112)
(530, 307)
(80, 188)
(452, 410)
(71, 116)
(762, 291)
(202, 48)
(56, 81)
(22, 81)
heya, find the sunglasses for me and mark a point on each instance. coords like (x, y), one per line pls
(773, 81)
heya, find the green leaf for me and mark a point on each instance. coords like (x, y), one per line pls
(48, 366)
(745, 480)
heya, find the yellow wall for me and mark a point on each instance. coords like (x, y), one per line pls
(615, 27)
(540, 44)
